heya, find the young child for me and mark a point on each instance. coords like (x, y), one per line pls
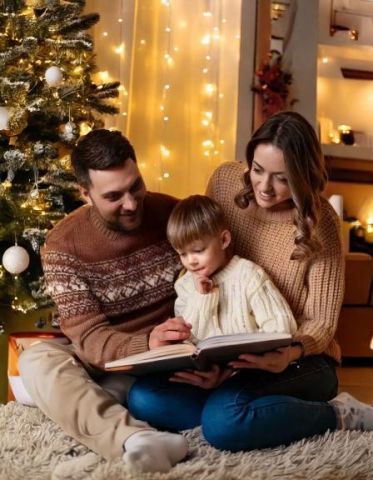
(220, 293)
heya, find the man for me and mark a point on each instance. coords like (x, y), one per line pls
(110, 270)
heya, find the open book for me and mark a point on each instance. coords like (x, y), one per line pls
(180, 356)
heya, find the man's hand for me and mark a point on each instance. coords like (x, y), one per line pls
(275, 362)
(173, 330)
(203, 284)
(207, 380)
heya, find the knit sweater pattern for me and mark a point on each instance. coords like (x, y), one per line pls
(244, 299)
(314, 288)
(111, 288)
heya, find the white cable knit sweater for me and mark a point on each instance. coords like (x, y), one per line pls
(244, 300)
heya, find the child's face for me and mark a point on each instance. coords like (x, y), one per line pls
(206, 256)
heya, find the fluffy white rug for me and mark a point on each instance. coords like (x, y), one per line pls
(34, 448)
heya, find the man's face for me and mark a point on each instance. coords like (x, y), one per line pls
(118, 195)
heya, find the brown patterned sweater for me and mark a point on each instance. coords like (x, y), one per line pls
(111, 288)
(314, 289)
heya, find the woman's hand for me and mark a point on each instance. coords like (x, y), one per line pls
(276, 361)
(207, 380)
(173, 330)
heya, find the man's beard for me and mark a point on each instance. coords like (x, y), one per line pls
(117, 226)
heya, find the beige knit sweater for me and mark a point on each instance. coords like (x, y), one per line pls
(313, 289)
(244, 300)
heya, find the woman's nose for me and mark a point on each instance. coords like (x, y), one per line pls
(267, 185)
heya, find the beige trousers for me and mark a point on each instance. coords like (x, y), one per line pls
(60, 385)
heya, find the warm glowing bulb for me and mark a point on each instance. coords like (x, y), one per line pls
(165, 152)
(325, 60)
(166, 3)
(119, 49)
(167, 86)
(205, 70)
(104, 76)
(168, 58)
(167, 29)
(210, 88)
(120, 20)
(208, 143)
(142, 42)
(166, 175)
(166, 119)
(207, 13)
(105, 34)
(206, 39)
(84, 128)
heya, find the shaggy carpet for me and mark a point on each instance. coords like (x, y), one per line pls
(34, 448)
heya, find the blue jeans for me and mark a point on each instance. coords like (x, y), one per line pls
(253, 409)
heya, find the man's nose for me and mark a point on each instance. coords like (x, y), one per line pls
(129, 203)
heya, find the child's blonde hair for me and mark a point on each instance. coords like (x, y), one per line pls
(193, 218)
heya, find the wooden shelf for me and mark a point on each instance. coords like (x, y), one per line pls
(349, 164)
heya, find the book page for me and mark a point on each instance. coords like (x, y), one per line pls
(167, 351)
(241, 338)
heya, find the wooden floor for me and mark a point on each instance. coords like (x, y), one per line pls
(357, 380)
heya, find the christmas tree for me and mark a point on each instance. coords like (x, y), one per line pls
(47, 100)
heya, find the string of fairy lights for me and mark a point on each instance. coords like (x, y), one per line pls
(172, 43)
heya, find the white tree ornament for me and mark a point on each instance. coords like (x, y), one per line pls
(53, 76)
(16, 259)
(4, 118)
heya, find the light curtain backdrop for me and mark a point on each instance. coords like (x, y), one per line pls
(178, 64)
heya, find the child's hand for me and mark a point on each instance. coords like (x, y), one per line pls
(203, 284)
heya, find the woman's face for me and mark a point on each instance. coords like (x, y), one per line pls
(269, 178)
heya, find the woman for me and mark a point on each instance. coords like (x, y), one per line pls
(280, 221)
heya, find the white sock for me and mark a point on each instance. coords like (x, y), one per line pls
(152, 451)
(352, 414)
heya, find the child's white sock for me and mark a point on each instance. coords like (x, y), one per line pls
(151, 451)
(352, 414)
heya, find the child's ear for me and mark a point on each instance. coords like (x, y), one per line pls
(226, 239)
(85, 195)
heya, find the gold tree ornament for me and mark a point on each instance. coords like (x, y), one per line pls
(18, 121)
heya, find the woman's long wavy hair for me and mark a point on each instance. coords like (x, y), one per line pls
(306, 174)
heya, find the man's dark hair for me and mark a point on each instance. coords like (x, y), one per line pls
(99, 150)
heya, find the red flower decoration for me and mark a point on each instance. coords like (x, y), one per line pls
(272, 83)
